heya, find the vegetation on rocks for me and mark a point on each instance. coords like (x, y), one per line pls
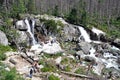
(48, 67)
(9, 75)
(3, 49)
(80, 70)
(53, 77)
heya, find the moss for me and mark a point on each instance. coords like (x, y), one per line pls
(53, 77)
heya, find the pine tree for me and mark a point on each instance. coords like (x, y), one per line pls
(31, 6)
(72, 16)
(17, 8)
(56, 11)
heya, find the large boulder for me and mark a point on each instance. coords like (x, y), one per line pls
(116, 43)
(70, 33)
(89, 59)
(22, 37)
(3, 38)
(84, 46)
(21, 25)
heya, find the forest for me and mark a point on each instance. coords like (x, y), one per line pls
(103, 14)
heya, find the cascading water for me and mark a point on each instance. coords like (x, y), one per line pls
(108, 60)
(30, 31)
(84, 34)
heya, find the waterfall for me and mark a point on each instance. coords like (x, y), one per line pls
(30, 30)
(84, 34)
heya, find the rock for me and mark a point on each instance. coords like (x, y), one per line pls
(89, 59)
(79, 54)
(116, 43)
(103, 38)
(111, 73)
(106, 46)
(23, 38)
(58, 60)
(21, 25)
(85, 46)
(3, 38)
(118, 60)
(12, 61)
(70, 33)
(38, 23)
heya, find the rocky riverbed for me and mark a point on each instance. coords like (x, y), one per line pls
(67, 51)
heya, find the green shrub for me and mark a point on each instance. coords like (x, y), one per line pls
(9, 75)
(65, 61)
(67, 68)
(48, 67)
(53, 77)
(53, 55)
(51, 25)
(80, 70)
(3, 49)
(2, 56)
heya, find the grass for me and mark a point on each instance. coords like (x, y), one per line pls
(53, 77)
(53, 55)
(3, 49)
(65, 61)
(67, 68)
(80, 70)
(48, 67)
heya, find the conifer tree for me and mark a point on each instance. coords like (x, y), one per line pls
(31, 6)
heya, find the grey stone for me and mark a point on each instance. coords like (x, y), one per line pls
(89, 59)
(70, 33)
(3, 38)
(22, 37)
(85, 46)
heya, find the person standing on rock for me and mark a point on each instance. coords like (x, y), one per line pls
(35, 66)
(31, 73)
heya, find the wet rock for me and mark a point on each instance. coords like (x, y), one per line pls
(106, 46)
(89, 59)
(21, 25)
(103, 38)
(111, 73)
(116, 43)
(118, 60)
(3, 38)
(84, 46)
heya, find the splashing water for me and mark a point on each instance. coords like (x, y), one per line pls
(84, 34)
(29, 30)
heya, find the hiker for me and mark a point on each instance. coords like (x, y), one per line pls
(35, 66)
(31, 73)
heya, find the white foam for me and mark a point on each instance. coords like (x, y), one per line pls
(97, 31)
(49, 48)
(29, 31)
(114, 48)
(84, 34)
